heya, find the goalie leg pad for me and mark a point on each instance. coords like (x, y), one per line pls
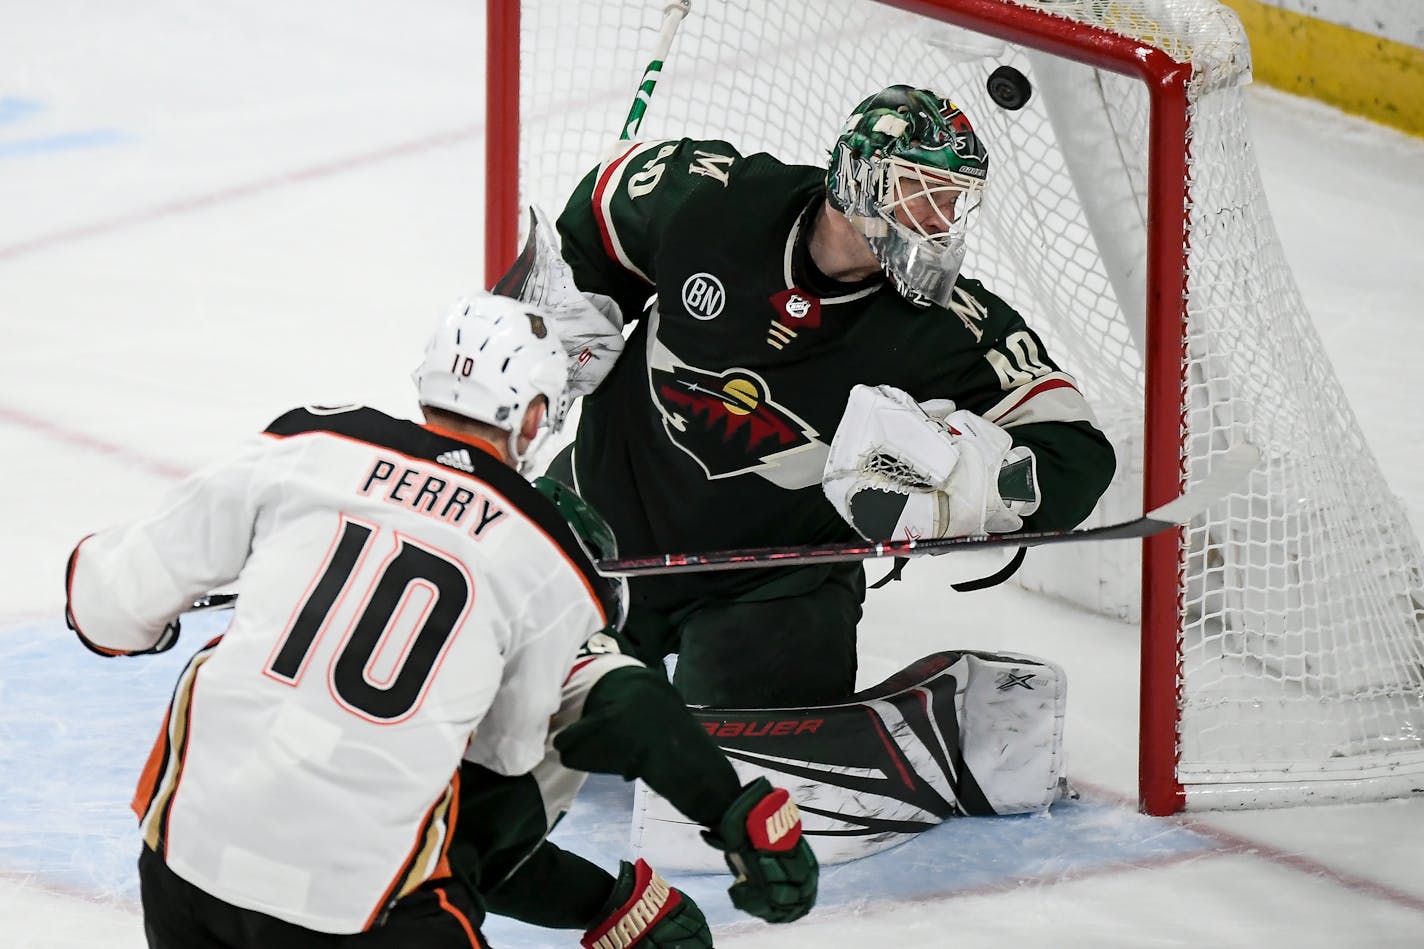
(957, 733)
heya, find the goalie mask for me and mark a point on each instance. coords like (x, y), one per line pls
(488, 359)
(909, 172)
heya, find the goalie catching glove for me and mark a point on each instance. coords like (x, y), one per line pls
(590, 325)
(645, 911)
(898, 469)
(760, 837)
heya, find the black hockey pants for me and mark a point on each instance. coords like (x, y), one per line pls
(179, 915)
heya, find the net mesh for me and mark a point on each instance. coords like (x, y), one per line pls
(1300, 645)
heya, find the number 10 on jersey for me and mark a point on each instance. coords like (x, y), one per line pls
(377, 673)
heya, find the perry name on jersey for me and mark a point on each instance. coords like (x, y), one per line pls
(407, 600)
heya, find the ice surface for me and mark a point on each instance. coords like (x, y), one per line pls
(214, 212)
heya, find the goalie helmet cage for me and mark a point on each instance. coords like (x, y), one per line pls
(1282, 655)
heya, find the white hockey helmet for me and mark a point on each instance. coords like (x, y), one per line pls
(488, 359)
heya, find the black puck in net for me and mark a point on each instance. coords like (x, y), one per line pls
(1009, 88)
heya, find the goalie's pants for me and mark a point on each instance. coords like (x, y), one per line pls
(780, 651)
(179, 915)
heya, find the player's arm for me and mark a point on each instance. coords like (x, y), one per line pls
(1074, 463)
(600, 278)
(618, 215)
(505, 857)
(634, 724)
(126, 586)
(637, 908)
(564, 601)
(623, 718)
(1016, 447)
(510, 738)
(1018, 387)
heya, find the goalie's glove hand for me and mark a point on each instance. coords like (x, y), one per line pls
(760, 835)
(644, 911)
(897, 469)
(590, 325)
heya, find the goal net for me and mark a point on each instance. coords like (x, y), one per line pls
(1283, 659)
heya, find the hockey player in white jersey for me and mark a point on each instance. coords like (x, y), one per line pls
(407, 600)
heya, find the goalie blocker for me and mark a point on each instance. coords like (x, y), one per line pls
(957, 733)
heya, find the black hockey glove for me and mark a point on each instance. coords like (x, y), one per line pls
(761, 837)
(644, 911)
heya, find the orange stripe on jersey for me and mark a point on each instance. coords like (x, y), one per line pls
(472, 440)
(442, 866)
(89, 644)
(423, 860)
(154, 819)
(148, 779)
(460, 917)
(102, 650)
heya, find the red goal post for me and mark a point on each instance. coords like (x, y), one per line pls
(1125, 218)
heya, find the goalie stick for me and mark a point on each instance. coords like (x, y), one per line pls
(1226, 476)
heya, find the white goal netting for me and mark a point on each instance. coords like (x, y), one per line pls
(1299, 665)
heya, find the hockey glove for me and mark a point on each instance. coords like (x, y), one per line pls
(643, 910)
(900, 470)
(590, 325)
(760, 835)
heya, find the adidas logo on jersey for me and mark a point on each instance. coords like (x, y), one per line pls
(455, 458)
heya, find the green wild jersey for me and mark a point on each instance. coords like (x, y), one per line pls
(713, 427)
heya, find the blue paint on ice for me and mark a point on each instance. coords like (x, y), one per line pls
(77, 729)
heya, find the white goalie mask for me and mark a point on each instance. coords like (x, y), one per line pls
(909, 172)
(488, 359)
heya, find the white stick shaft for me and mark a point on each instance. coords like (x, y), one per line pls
(673, 15)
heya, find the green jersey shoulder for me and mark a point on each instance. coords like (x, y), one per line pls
(735, 379)
(623, 210)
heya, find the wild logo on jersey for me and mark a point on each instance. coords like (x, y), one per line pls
(726, 421)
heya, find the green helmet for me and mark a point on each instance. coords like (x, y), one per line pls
(909, 171)
(595, 535)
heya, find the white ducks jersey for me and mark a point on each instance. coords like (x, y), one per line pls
(406, 599)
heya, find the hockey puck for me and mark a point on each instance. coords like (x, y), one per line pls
(1009, 88)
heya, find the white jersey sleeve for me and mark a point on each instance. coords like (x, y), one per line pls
(401, 593)
(124, 585)
(512, 736)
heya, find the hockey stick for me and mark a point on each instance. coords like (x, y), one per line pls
(1225, 478)
(515, 279)
(214, 601)
(672, 18)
